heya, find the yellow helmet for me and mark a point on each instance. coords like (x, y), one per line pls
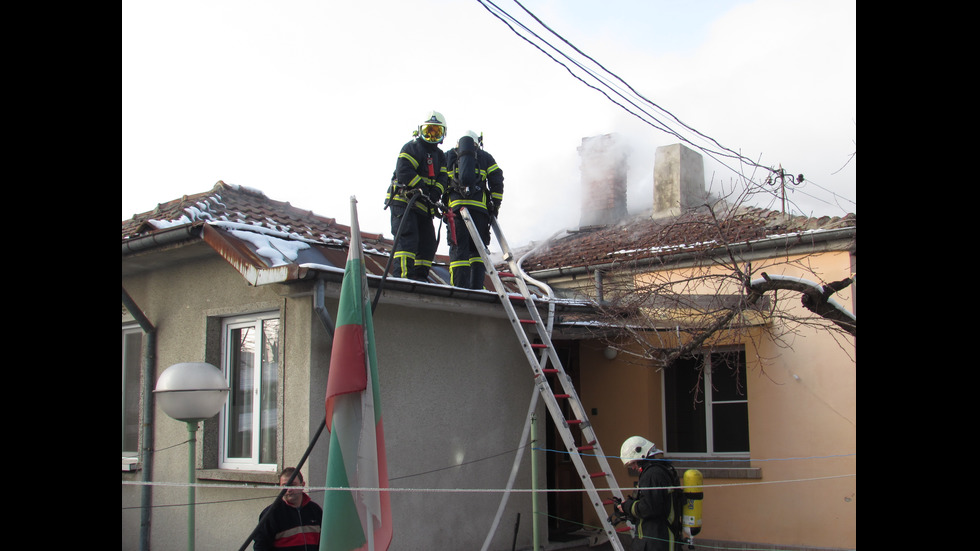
(433, 129)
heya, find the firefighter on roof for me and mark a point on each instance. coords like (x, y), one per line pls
(420, 174)
(477, 183)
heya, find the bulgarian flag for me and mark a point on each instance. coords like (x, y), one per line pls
(356, 458)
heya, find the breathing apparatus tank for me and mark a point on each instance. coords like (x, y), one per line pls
(466, 175)
(693, 496)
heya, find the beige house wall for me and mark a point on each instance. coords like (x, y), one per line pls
(802, 423)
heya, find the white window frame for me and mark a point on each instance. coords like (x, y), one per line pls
(131, 457)
(709, 404)
(251, 463)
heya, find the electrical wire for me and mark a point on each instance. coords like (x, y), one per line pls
(491, 490)
(607, 84)
(484, 490)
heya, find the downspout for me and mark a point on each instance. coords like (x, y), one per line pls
(598, 287)
(146, 451)
(320, 308)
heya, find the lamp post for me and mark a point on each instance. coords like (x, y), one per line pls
(191, 392)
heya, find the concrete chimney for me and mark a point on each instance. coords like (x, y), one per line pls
(678, 180)
(603, 165)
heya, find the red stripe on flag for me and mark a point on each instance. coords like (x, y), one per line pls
(347, 372)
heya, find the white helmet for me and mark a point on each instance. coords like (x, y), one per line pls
(433, 129)
(478, 140)
(636, 448)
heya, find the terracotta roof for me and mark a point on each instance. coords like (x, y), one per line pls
(243, 205)
(644, 237)
(267, 240)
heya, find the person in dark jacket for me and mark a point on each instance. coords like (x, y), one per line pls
(292, 523)
(651, 509)
(477, 183)
(420, 169)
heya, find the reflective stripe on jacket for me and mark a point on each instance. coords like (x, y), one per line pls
(412, 172)
(490, 176)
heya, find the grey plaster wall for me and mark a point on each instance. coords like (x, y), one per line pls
(455, 389)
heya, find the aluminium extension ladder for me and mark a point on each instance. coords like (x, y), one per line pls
(552, 397)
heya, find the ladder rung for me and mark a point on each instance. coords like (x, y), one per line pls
(549, 370)
(597, 475)
(539, 346)
(623, 529)
(574, 421)
(587, 448)
(505, 274)
(563, 396)
(532, 322)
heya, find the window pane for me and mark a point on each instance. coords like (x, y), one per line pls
(241, 362)
(728, 376)
(131, 359)
(684, 403)
(731, 427)
(270, 391)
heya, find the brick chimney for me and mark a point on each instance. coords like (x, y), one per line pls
(678, 180)
(603, 165)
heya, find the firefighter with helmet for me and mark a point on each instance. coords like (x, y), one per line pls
(652, 510)
(416, 189)
(477, 183)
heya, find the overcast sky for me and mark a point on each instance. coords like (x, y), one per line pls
(310, 101)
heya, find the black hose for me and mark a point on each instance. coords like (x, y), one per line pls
(394, 245)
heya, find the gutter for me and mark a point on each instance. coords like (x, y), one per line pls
(782, 242)
(146, 450)
(160, 239)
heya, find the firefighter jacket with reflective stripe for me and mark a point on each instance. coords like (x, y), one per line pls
(654, 507)
(420, 165)
(491, 180)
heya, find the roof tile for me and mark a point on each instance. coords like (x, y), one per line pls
(644, 237)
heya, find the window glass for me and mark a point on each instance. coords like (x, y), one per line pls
(241, 361)
(269, 413)
(250, 418)
(705, 404)
(132, 347)
(684, 403)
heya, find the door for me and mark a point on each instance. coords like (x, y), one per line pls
(564, 508)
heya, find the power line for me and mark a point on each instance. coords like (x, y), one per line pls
(655, 123)
(716, 151)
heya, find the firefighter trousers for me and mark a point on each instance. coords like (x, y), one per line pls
(466, 267)
(416, 246)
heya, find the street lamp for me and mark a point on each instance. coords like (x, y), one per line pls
(191, 392)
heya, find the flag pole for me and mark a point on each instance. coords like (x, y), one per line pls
(356, 229)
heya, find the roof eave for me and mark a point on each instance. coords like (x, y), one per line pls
(784, 244)
(247, 263)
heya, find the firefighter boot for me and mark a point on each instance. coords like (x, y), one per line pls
(477, 273)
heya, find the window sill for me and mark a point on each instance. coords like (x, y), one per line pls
(711, 469)
(130, 464)
(226, 475)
